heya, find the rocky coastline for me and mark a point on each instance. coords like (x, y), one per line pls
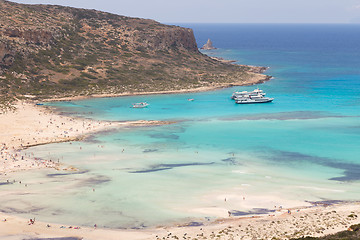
(48, 50)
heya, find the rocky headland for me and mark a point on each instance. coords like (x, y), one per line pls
(49, 51)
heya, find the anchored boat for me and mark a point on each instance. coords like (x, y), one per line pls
(256, 92)
(253, 99)
(256, 96)
(140, 105)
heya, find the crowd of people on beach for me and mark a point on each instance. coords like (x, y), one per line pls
(13, 159)
(47, 128)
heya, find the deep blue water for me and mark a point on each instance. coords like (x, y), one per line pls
(314, 67)
(304, 146)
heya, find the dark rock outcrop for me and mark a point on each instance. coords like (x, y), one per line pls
(174, 38)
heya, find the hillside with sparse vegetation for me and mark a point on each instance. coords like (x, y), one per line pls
(49, 51)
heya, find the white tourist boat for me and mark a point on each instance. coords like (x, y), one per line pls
(246, 99)
(140, 105)
(256, 92)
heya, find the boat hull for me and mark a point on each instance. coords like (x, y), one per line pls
(139, 106)
(250, 101)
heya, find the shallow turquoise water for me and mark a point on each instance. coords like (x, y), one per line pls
(302, 147)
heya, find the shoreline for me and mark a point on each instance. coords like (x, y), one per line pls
(258, 78)
(314, 221)
(30, 125)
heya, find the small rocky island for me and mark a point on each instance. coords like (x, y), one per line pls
(208, 45)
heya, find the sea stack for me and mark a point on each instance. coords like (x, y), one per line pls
(208, 45)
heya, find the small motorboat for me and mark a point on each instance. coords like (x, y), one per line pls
(140, 105)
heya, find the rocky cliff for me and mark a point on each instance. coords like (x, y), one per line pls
(48, 50)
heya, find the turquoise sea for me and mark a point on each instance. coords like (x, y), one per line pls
(301, 148)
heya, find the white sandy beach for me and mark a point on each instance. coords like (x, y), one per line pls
(32, 125)
(314, 221)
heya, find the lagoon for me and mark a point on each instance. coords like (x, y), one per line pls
(301, 148)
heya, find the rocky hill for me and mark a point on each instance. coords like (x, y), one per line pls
(52, 51)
